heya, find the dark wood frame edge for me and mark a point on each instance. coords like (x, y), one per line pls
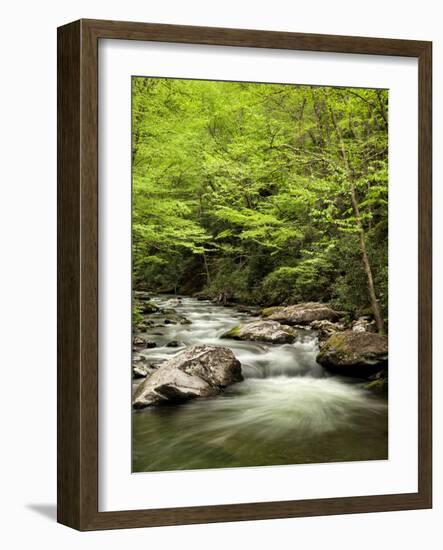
(77, 317)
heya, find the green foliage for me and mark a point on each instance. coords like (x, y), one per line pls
(233, 281)
(280, 286)
(137, 316)
(245, 190)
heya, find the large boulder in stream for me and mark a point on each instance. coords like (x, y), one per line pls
(263, 331)
(358, 354)
(199, 371)
(301, 314)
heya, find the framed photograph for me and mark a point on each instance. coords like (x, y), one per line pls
(244, 275)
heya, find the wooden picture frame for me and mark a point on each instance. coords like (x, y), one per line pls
(78, 274)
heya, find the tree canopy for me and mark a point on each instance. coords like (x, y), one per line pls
(263, 193)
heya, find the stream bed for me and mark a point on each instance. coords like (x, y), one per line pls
(288, 409)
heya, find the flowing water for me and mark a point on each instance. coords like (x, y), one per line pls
(287, 410)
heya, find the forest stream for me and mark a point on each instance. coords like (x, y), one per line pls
(287, 410)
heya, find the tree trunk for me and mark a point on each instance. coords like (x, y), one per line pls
(361, 232)
(205, 262)
(367, 266)
(208, 277)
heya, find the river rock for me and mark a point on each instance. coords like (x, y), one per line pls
(358, 354)
(171, 317)
(148, 307)
(364, 324)
(140, 371)
(301, 314)
(198, 371)
(141, 367)
(267, 311)
(138, 341)
(174, 344)
(378, 383)
(141, 340)
(144, 325)
(263, 331)
(325, 329)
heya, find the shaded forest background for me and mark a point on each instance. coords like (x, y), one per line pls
(261, 193)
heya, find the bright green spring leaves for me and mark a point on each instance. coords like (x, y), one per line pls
(244, 189)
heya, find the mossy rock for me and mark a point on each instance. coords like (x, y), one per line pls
(377, 386)
(267, 311)
(357, 354)
(233, 333)
(378, 382)
(303, 314)
(148, 307)
(270, 332)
